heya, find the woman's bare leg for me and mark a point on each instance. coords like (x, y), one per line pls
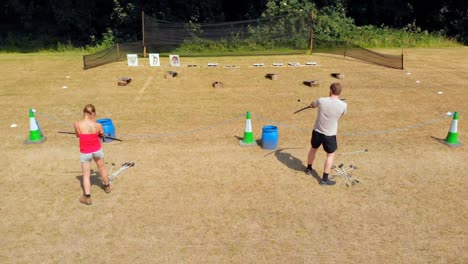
(102, 169)
(86, 169)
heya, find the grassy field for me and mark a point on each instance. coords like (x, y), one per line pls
(196, 196)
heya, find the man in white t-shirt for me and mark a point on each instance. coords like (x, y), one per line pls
(330, 109)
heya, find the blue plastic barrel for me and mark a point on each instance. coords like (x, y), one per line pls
(270, 137)
(109, 129)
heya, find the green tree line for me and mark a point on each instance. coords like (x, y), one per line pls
(35, 24)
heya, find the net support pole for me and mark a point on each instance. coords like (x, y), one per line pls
(345, 48)
(143, 32)
(311, 44)
(402, 59)
(313, 16)
(84, 61)
(118, 50)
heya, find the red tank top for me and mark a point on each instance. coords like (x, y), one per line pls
(89, 143)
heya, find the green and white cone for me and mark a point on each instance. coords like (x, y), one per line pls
(35, 134)
(452, 136)
(248, 139)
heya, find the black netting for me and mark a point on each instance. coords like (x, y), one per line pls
(272, 36)
(392, 61)
(347, 49)
(117, 52)
(278, 35)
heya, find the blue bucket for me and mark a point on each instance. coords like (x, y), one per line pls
(108, 127)
(270, 137)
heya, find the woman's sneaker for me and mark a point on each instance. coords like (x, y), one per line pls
(85, 200)
(107, 188)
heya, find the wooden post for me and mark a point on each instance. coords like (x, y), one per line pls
(313, 16)
(345, 47)
(118, 50)
(143, 32)
(84, 62)
(402, 59)
(311, 44)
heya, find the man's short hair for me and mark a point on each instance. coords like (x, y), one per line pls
(336, 88)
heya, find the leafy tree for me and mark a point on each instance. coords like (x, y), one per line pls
(333, 24)
(46, 22)
(394, 13)
(447, 17)
(38, 23)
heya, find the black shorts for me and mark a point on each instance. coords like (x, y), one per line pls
(328, 142)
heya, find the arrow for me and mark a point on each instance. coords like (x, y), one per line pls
(73, 133)
(302, 109)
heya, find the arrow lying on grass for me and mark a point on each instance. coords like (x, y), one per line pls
(73, 133)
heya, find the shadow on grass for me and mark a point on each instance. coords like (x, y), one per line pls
(292, 162)
(257, 141)
(95, 179)
(442, 141)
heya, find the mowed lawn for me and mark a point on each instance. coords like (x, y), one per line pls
(196, 196)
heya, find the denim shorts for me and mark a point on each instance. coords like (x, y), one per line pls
(87, 157)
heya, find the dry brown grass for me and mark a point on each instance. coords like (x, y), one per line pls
(196, 196)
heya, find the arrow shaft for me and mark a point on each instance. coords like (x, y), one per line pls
(302, 109)
(73, 133)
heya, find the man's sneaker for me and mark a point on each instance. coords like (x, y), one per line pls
(107, 188)
(85, 200)
(308, 171)
(327, 182)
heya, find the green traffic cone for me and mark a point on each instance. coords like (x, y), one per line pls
(452, 136)
(35, 134)
(248, 139)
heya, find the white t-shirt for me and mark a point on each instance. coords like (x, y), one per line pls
(329, 112)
